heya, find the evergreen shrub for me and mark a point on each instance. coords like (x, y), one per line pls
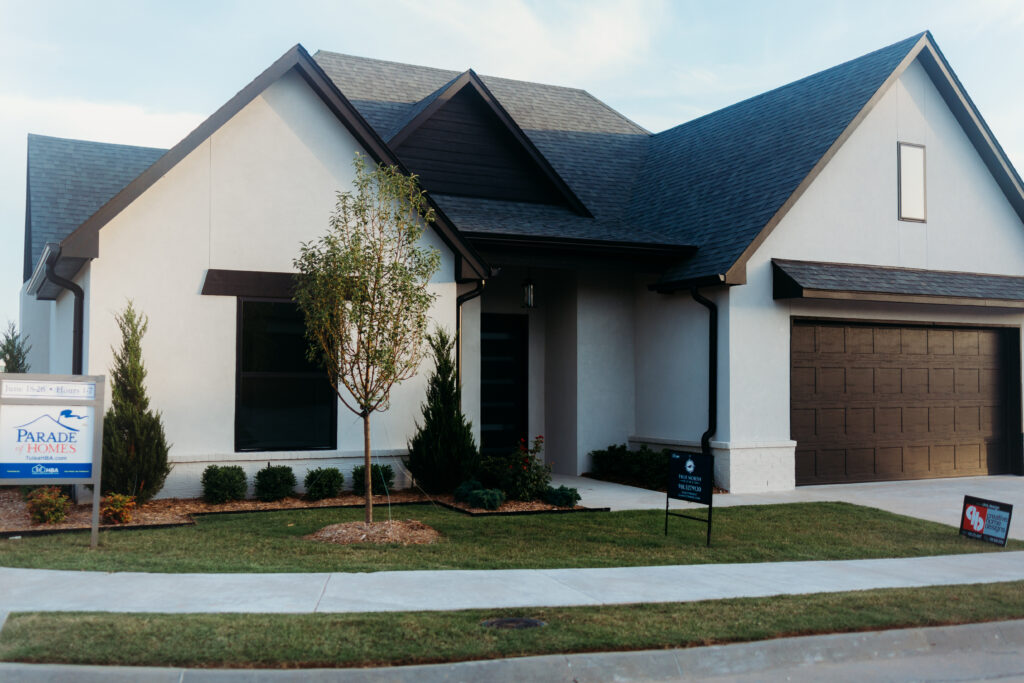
(382, 479)
(134, 445)
(224, 483)
(488, 499)
(443, 452)
(563, 496)
(323, 482)
(467, 487)
(643, 467)
(274, 482)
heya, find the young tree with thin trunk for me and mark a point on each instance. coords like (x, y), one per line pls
(363, 290)
(14, 350)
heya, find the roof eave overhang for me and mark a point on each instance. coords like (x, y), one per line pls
(786, 287)
(83, 243)
(685, 284)
(564, 252)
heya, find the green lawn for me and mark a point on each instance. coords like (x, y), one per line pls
(321, 640)
(272, 541)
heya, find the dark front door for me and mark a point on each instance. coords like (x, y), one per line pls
(503, 380)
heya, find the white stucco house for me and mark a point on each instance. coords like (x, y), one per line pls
(825, 282)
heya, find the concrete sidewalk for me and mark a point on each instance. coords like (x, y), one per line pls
(974, 652)
(936, 500)
(49, 590)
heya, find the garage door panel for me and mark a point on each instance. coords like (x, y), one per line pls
(872, 402)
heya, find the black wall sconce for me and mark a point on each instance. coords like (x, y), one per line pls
(528, 294)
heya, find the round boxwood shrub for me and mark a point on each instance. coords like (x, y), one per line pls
(323, 482)
(224, 483)
(275, 482)
(382, 479)
(563, 496)
(488, 499)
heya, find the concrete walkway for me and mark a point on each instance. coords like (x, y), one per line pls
(936, 500)
(49, 590)
(974, 652)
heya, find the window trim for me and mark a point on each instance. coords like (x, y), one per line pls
(240, 302)
(899, 182)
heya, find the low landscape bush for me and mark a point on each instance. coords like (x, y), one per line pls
(643, 467)
(382, 479)
(488, 499)
(275, 482)
(224, 483)
(520, 474)
(117, 508)
(563, 496)
(463, 490)
(47, 505)
(323, 482)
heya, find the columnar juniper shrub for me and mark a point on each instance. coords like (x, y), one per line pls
(520, 474)
(382, 479)
(275, 482)
(643, 467)
(47, 505)
(117, 508)
(442, 452)
(323, 482)
(221, 484)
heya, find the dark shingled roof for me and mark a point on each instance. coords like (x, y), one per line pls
(68, 180)
(842, 277)
(596, 151)
(717, 181)
(714, 182)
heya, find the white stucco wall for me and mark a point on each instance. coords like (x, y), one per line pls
(244, 199)
(849, 215)
(34, 323)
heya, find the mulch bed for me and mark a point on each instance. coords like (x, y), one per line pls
(402, 532)
(639, 484)
(14, 517)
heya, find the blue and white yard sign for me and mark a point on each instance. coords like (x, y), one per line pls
(51, 432)
(46, 441)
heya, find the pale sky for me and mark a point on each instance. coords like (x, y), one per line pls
(145, 73)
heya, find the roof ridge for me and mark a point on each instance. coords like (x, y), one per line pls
(912, 40)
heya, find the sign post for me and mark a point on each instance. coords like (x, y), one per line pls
(985, 520)
(691, 477)
(51, 432)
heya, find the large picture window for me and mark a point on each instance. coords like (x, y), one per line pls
(282, 401)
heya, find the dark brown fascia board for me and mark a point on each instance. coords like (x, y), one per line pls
(974, 125)
(737, 273)
(671, 286)
(469, 78)
(956, 98)
(568, 253)
(249, 283)
(83, 242)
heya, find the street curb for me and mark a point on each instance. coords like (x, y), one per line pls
(601, 667)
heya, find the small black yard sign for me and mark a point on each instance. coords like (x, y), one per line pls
(691, 477)
(985, 520)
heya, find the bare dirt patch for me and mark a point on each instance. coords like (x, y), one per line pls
(401, 532)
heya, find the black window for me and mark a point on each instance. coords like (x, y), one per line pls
(282, 400)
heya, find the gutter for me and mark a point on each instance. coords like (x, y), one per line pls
(52, 256)
(705, 438)
(461, 299)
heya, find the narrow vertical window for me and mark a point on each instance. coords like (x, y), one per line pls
(911, 182)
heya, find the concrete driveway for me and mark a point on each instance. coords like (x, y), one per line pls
(937, 500)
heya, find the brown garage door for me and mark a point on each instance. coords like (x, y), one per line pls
(875, 402)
